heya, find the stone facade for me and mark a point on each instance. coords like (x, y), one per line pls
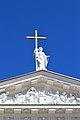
(41, 95)
(56, 113)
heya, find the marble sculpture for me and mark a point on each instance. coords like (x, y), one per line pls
(32, 96)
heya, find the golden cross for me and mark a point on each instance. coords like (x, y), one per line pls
(36, 37)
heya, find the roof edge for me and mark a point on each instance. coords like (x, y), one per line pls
(50, 72)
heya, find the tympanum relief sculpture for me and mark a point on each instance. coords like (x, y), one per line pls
(32, 96)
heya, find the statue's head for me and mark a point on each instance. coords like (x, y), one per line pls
(57, 92)
(7, 93)
(40, 49)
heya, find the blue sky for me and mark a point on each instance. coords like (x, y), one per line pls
(58, 20)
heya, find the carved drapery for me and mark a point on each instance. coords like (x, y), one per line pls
(32, 96)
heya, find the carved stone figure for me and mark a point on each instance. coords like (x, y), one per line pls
(9, 101)
(41, 58)
(56, 98)
(42, 98)
(19, 99)
(32, 96)
(71, 99)
(63, 97)
(4, 96)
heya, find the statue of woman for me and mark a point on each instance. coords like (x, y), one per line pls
(41, 58)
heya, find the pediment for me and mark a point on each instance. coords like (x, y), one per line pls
(41, 87)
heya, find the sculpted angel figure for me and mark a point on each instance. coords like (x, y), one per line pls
(41, 58)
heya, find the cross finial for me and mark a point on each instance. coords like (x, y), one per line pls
(36, 37)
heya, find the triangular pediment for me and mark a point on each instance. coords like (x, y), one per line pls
(40, 87)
